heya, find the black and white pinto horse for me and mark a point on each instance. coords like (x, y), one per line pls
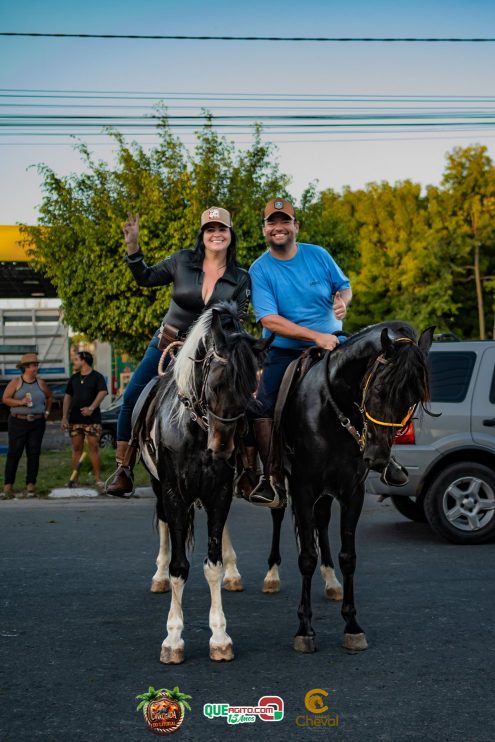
(188, 441)
(339, 424)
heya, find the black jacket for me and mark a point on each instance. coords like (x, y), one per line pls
(186, 273)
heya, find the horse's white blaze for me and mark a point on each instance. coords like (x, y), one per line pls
(218, 624)
(333, 588)
(175, 620)
(229, 557)
(163, 558)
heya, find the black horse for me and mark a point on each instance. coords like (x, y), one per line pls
(339, 423)
(188, 439)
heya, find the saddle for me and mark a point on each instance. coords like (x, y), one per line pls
(294, 374)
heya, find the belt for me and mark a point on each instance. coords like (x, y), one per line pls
(27, 417)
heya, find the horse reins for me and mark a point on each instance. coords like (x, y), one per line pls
(345, 421)
(198, 409)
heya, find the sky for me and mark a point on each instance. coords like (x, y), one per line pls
(253, 78)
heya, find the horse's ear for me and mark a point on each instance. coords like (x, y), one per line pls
(218, 332)
(426, 339)
(260, 345)
(387, 343)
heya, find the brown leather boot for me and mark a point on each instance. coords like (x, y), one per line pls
(270, 491)
(250, 474)
(122, 484)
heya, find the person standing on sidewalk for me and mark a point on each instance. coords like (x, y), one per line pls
(81, 414)
(30, 401)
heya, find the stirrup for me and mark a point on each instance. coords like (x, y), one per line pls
(394, 474)
(264, 495)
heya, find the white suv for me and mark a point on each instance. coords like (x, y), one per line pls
(451, 458)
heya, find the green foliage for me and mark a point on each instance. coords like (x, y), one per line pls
(426, 256)
(79, 245)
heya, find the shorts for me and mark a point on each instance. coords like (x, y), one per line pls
(86, 429)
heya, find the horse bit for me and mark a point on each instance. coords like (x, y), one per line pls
(198, 408)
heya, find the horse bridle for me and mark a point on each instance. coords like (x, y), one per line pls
(198, 408)
(365, 415)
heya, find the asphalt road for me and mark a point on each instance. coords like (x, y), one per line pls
(80, 633)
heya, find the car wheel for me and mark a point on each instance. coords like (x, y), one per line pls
(460, 503)
(410, 507)
(107, 440)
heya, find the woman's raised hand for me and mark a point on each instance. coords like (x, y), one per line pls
(131, 233)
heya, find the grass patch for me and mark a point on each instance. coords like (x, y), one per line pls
(55, 470)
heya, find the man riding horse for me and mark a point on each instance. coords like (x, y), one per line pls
(301, 295)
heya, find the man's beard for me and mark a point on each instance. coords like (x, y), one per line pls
(280, 246)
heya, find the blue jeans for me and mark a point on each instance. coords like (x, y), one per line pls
(273, 371)
(147, 369)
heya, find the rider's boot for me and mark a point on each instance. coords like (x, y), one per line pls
(270, 491)
(251, 472)
(122, 484)
(395, 474)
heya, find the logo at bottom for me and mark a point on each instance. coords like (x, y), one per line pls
(163, 709)
(315, 703)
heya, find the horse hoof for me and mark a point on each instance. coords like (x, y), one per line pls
(271, 586)
(170, 656)
(160, 586)
(221, 652)
(334, 593)
(233, 584)
(304, 644)
(355, 642)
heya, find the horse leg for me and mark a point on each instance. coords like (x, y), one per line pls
(221, 646)
(304, 640)
(172, 652)
(333, 588)
(271, 583)
(354, 637)
(232, 580)
(160, 582)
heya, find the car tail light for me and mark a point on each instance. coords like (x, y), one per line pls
(406, 435)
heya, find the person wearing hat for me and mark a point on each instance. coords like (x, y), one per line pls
(30, 401)
(201, 276)
(301, 295)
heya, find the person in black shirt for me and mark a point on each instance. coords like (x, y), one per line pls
(199, 277)
(81, 414)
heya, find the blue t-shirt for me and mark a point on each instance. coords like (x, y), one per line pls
(300, 289)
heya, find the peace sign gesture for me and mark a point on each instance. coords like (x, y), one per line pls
(131, 233)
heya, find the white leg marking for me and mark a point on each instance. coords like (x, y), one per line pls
(221, 647)
(232, 580)
(173, 644)
(160, 582)
(271, 583)
(333, 588)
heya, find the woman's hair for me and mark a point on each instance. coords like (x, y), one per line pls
(199, 248)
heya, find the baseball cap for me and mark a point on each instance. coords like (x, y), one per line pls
(279, 206)
(216, 214)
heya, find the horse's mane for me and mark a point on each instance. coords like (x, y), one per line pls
(408, 370)
(242, 364)
(184, 365)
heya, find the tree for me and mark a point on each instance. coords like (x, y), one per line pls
(468, 195)
(78, 242)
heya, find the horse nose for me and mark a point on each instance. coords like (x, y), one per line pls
(375, 458)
